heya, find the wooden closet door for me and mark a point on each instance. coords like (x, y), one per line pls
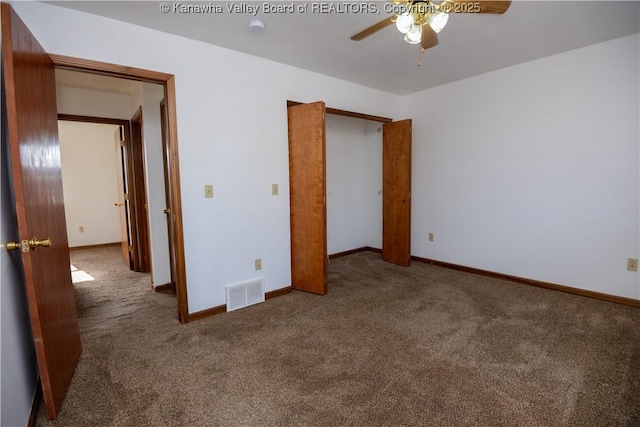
(307, 187)
(396, 192)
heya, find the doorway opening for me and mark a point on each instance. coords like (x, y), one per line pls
(308, 192)
(158, 201)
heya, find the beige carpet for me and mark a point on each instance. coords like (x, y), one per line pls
(387, 346)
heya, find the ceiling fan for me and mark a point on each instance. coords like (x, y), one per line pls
(421, 20)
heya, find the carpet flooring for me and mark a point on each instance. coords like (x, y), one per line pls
(386, 346)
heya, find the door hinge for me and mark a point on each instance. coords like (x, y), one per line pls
(130, 248)
(126, 196)
(121, 143)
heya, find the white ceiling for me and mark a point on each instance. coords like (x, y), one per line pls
(469, 45)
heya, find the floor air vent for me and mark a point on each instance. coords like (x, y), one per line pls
(244, 294)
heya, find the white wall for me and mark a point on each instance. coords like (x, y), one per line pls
(373, 202)
(89, 179)
(232, 133)
(94, 103)
(536, 173)
(19, 372)
(533, 170)
(354, 179)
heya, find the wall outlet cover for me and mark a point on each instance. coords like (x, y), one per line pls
(632, 264)
(208, 191)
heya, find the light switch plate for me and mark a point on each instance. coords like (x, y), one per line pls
(274, 189)
(208, 191)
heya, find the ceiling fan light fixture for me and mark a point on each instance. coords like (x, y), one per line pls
(404, 22)
(414, 36)
(438, 20)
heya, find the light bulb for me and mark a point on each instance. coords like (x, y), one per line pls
(438, 20)
(414, 35)
(404, 22)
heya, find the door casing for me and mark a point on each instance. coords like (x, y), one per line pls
(168, 82)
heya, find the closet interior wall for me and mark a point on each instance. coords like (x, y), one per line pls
(354, 183)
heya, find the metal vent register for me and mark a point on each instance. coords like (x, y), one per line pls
(240, 295)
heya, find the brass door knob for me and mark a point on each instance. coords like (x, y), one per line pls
(117, 204)
(12, 246)
(26, 245)
(35, 243)
(166, 211)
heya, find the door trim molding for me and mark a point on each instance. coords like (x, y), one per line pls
(92, 119)
(168, 81)
(345, 113)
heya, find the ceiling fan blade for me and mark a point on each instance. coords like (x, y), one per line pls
(471, 6)
(373, 29)
(429, 37)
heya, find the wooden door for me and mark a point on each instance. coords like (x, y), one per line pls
(396, 192)
(32, 126)
(122, 203)
(307, 187)
(138, 197)
(166, 160)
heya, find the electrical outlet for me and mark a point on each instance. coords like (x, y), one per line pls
(208, 191)
(258, 264)
(274, 189)
(81, 229)
(431, 237)
(632, 264)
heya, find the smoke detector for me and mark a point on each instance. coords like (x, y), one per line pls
(256, 26)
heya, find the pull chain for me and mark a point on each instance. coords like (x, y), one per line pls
(420, 52)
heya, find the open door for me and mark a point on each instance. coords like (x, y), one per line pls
(137, 197)
(166, 156)
(307, 187)
(396, 192)
(32, 131)
(122, 203)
